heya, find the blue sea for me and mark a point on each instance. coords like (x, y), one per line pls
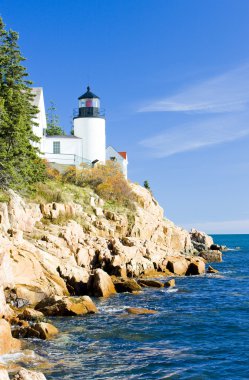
(201, 330)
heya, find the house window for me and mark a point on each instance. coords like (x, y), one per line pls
(56, 147)
(113, 158)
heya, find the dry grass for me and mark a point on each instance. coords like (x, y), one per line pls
(56, 191)
(107, 181)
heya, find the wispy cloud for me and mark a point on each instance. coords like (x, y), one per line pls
(222, 227)
(224, 93)
(195, 135)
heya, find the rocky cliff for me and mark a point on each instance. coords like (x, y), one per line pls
(40, 257)
(51, 252)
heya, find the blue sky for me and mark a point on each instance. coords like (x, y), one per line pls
(173, 77)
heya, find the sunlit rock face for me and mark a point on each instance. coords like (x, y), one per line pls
(8, 344)
(25, 374)
(39, 260)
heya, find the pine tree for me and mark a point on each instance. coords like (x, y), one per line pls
(53, 128)
(146, 185)
(20, 164)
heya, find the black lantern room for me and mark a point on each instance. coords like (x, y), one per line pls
(89, 104)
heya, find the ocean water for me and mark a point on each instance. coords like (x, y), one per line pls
(201, 330)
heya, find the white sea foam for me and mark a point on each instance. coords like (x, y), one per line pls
(172, 290)
(113, 310)
(169, 375)
(14, 357)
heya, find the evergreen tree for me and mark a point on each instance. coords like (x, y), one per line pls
(146, 185)
(53, 128)
(20, 164)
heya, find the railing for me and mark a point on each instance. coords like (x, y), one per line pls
(101, 113)
(67, 159)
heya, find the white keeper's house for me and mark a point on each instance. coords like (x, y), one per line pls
(87, 145)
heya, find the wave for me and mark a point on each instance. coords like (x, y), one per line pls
(172, 290)
(112, 310)
(17, 356)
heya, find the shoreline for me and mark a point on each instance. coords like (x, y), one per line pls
(53, 268)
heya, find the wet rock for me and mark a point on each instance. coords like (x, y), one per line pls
(170, 283)
(196, 267)
(7, 342)
(150, 283)
(211, 256)
(140, 310)
(15, 321)
(212, 270)
(66, 306)
(100, 284)
(127, 286)
(40, 330)
(25, 374)
(30, 314)
(216, 247)
(45, 330)
(25, 332)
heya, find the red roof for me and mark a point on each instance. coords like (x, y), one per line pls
(123, 154)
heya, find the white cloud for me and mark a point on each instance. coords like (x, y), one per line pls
(195, 135)
(225, 93)
(222, 227)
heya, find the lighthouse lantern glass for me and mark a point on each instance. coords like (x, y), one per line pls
(89, 103)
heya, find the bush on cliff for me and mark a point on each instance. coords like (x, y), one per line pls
(107, 181)
(19, 163)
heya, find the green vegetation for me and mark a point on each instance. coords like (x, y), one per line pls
(4, 197)
(146, 185)
(53, 127)
(107, 181)
(59, 192)
(79, 185)
(20, 165)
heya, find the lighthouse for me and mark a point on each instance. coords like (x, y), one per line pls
(89, 126)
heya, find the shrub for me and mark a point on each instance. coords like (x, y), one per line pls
(4, 196)
(106, 180)
(50, 172)
(70, 175)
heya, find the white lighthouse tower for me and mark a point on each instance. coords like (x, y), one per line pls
(89, 125)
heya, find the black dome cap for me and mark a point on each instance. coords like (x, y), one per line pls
(88, 95)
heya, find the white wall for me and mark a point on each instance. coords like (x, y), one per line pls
(125, 168)
(111, 152)
(92, 132)
(69, 148)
